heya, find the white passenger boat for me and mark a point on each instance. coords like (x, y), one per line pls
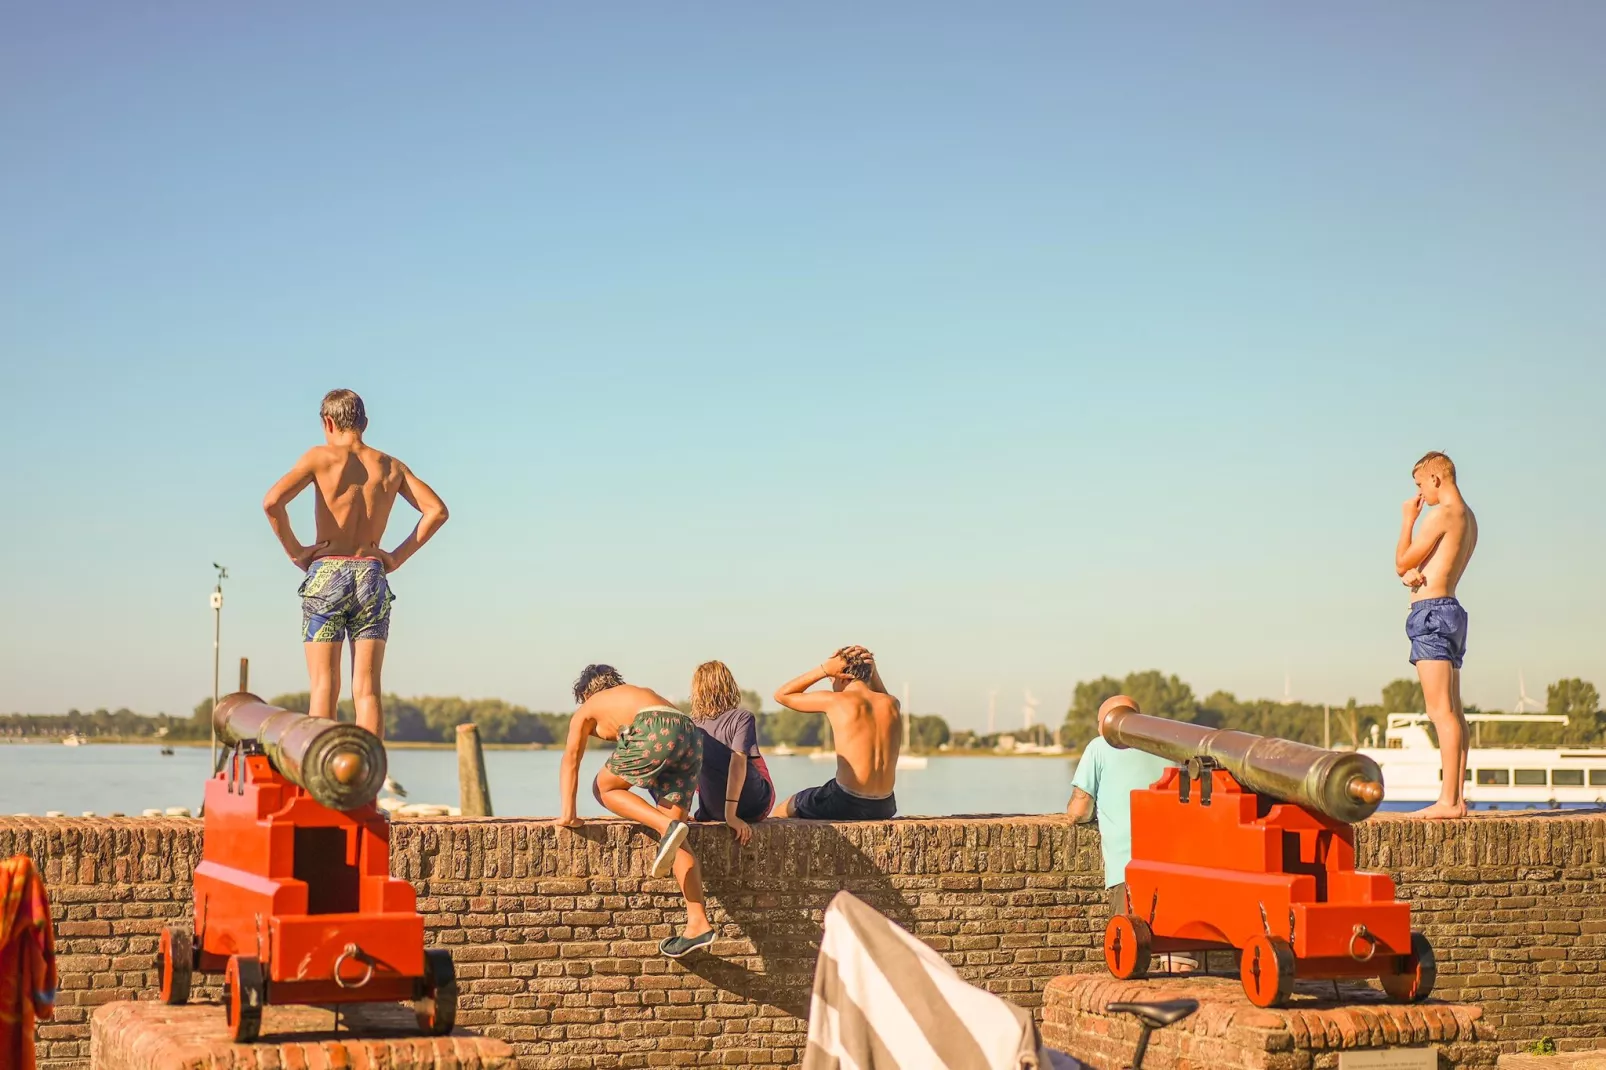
(1497, 778)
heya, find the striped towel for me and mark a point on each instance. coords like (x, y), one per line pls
(885, 1001)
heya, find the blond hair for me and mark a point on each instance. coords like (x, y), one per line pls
(345, 409)
(713, 691)
(1437, 464)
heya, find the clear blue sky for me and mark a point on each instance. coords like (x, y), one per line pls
(1019, 344)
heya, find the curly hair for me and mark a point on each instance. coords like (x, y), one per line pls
(594, 678)
(860, 666)
(713, 691)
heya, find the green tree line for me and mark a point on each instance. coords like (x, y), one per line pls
(434, 719)
(123, 723)
(1168, 696)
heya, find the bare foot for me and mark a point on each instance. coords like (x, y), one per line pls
(1440, 811)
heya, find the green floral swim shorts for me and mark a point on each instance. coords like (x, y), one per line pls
(660, 751)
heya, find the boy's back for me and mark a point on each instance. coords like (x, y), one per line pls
(356, 489)
(619, 706)
(867, 729)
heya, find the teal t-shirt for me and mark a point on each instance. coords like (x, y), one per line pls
(1111, 776)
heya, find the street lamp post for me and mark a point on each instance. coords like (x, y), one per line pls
(217, 635)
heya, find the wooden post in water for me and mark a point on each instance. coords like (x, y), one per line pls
(473, 790)
(245, 674)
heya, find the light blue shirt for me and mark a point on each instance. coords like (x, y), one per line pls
(1111, 776)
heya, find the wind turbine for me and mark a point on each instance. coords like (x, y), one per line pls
(1522, 696)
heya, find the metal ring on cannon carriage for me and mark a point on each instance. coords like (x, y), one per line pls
(353, 952)
(1360, 933)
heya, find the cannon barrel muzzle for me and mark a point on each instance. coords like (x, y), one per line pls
(1344, 785)
(340, 765)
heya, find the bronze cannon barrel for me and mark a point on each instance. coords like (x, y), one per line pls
(1344, 785)
(340, 765)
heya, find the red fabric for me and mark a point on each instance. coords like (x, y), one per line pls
(27, 960)
(762, 769)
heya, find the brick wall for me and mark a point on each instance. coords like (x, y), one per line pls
(555, 931)
(1516, 910)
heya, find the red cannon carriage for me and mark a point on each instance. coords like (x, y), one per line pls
(294, 902)
(1249, 846)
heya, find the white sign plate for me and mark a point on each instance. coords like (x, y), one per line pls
(1390, 1059)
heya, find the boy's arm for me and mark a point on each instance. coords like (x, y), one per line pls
(735, 780)
(420, 496)
(791, 694)
(277, 503)
(1085, 787)
(1411, 551)
(580, 726)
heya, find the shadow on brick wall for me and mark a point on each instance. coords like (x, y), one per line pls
(781, 915)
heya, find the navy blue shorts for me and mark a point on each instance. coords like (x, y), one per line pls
(832, 802)
(1437, 628)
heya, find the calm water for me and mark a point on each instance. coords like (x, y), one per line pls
(129, 778)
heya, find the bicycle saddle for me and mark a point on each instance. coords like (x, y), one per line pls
(1157, 1015)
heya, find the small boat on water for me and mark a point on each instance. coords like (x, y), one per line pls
(73, 739)
(905, 759)
(1498, 778)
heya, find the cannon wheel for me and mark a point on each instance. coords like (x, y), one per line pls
(436, 1006)
(1416, 980)
(244, 993)
(175, 965)
(1127, 943)
(1267, 971)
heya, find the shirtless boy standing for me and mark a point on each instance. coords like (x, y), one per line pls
(658, 749)
(867, 728)
(1430, 563)
(346, 591)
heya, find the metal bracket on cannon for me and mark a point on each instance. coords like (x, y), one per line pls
(1199, 768)
(232, 757)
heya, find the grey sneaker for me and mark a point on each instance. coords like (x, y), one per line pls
(674, 836)
(676, 946)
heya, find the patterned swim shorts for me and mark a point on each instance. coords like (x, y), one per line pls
(344, 595)
(660, 751)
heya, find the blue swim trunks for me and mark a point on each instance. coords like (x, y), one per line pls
(345, 595)
(1437, 628)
